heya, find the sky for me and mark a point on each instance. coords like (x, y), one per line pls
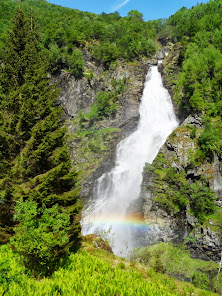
(151, 9)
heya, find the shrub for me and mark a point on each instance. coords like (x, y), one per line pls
(76, 63)
(200, 280)
(41, 236)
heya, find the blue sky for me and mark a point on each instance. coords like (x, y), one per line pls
(151, 9)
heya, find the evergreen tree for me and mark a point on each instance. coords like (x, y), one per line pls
(34, 157)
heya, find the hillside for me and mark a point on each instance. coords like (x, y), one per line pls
(66, 33)
(92, 272)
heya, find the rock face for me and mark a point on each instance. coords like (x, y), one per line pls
(160, 55)
(168, 181)
(79, 95)
(205, 241)
(169, 69)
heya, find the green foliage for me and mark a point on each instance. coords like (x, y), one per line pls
(41, 236)
(175, 197)
(198, 85)
(93, 143)
(121, 265)
(68, 32)
(55, 58)
(218, 284)
(200, 280)
(199, 82)
(105, 105)
(210, 139)
(106, 52)
(197, 157)
(193, 133)
(85, 274)
(76, 63)
(176, 261)
(158, 265)
(36, 160)
(202, 200)
(10, 266)
(136, 14)
(174, 192)
(159, 161)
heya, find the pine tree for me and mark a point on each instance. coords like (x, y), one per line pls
(34, 157)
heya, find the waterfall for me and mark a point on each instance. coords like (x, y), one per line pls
(114, 191)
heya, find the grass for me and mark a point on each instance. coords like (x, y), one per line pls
(177, 262)
(216, 220)
(90, 272)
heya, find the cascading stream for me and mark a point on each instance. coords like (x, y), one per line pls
(114, 191)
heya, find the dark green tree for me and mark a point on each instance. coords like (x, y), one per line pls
(33, 146)
(41, 236)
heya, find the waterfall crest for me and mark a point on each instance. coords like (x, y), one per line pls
(114, 191)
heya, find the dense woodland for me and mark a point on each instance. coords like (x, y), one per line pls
(40, 210)
(65, 33)
(198, 86)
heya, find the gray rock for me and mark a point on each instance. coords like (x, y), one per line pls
(190, 218)
(193, 120)
(177, 150)
(160, 55)
(79, 95)
(153, 62)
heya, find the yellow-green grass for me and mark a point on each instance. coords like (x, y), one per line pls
(90, 272)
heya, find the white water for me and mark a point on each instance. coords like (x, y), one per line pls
(114, 191)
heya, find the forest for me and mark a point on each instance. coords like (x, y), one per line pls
(42, 251)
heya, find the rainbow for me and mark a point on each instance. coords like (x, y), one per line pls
(131, 221)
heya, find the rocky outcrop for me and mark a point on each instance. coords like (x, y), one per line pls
(169, 70)
(98, 242)
(204, 240)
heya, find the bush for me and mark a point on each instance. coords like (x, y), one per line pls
(41, 236)
(210, 138)
(200, 280)
(202, 200)
(158, 265)
(76, 63)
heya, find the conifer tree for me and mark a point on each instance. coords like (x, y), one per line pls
(34, 158)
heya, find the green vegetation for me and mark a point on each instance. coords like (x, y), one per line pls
(41, 237)
(177, 262)
(193, 72)
(38, 184)
(65, 33)
(210, 138)
(105, 106)
(173, 191)
(92, 146)
(198, 84)
(35, 161)
(98, 273)
(93, 140)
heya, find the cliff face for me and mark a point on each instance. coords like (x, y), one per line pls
(181, 192)
(94, 154)
(168, 219)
